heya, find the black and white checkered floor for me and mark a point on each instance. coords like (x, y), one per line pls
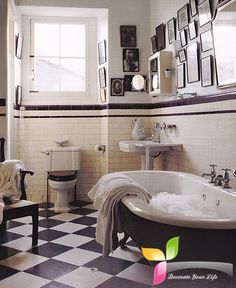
(67, 256)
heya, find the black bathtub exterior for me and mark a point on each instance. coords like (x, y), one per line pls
(195, 244)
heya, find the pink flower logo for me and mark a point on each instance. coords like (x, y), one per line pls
(153, 254)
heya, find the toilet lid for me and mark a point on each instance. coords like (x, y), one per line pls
(62, 178)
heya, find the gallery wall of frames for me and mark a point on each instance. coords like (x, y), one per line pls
(190, 33)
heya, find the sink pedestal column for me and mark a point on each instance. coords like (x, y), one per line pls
(147, 161)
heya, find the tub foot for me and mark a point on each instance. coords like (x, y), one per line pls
(123, 241)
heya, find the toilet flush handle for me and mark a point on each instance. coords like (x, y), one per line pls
(45, 152)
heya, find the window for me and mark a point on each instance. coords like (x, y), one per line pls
(58, 56)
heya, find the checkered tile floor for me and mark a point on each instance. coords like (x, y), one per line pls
(67, 256)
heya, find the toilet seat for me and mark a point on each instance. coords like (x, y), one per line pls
(62, 178)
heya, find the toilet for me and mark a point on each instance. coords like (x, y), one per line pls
(62, 165)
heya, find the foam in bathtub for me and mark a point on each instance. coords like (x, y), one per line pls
(187, 205)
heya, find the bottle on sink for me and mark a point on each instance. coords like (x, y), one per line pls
(138, 132)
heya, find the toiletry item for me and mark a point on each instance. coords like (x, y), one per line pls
(138, 132)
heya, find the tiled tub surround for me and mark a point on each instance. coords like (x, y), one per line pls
(206, 130)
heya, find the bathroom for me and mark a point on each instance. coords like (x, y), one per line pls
(205, 126)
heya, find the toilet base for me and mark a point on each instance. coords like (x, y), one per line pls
(61, 209)
(61, 204)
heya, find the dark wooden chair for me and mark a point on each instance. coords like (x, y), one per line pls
(21, 208)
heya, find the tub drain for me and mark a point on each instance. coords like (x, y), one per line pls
(93, 269)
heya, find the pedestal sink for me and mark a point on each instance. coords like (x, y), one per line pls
(146, 150)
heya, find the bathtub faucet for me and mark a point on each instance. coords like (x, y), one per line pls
(226, 178)
(212, 174)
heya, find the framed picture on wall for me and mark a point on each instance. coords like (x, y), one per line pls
(128, 82)
(183, 16)
(193, 7)
(192, 30)
(102, 52)
(206, 71)
(154, 43)
(117, 86)
(182, 55)
(183, 37)
(102, 77)
(181, 75)
(204, 11)
(171, 27)
(206, 41)
(103, 95)
(161, 37)
(19, 46)
(131, 60)
(128, 36)
(192, 63)
(18, 95)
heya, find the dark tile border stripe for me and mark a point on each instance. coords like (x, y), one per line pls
(2, 115)
(196, 113)
(165, 104)
(135, 115)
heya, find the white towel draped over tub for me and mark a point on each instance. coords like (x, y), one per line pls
(9, 181)
(106, 195)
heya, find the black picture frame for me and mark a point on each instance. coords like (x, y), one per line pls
(192, 30)
(204, 12)
(154, 65)
(161, 38)
(18, 95)
(154, 43)
(117, 86)
(130, 60)
(19, 46)
(182, 55)
(222, 3)
(128, 82)
(171, 27)
(183, 37)
(192, 53)
(206, 40)
(193, 7)
(102, 77)
(102, 57)
(207, 71)
(183, 17)
(181, 76)
(128, 36)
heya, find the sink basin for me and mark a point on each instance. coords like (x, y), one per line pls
(147, 149)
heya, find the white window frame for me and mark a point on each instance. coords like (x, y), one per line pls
(57, 97)
(32, 36)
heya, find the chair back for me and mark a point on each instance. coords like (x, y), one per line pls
(2, 151)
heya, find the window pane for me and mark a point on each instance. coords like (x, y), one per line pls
(46, 74)
(46, 39)
(72, 40)
(73, 75)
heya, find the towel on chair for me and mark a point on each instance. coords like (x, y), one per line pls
(106, 195)
(9, 181)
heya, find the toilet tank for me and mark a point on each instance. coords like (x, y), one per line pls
(62, 158)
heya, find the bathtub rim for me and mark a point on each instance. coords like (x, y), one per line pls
(140, 208)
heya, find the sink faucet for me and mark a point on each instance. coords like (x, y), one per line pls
(157, 132)
(212, 173)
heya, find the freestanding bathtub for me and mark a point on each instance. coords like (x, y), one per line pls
(201, 239)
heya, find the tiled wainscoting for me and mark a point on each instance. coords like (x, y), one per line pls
(206, 126)
(207, 132)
